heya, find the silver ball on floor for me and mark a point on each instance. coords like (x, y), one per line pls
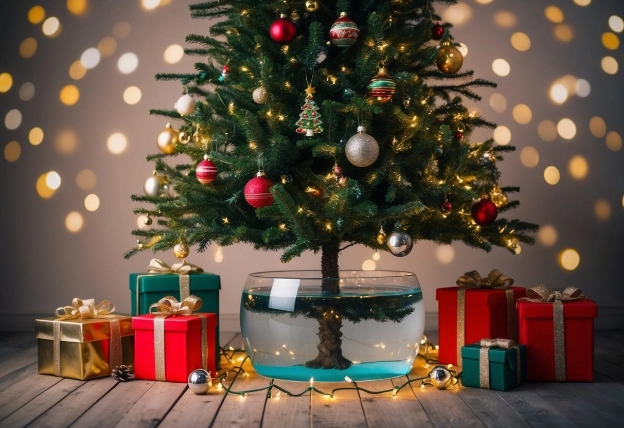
(199, 381)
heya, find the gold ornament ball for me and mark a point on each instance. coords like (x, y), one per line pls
(449, 59)
(260, 95)
(311, 5)
(498, 197)
(167, 140)
(381, 237)
(181, 250)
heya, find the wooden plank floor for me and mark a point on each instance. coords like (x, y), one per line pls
(33, 400)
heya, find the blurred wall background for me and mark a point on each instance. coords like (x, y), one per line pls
(76, 83)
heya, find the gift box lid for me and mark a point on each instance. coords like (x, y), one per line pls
(496, 355)
(83, 330)
(581, 308)
(166, 282)
(478, 296)
(175, 322)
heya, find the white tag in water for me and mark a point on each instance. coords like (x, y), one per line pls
(283, 294)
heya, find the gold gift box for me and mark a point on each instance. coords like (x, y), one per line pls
(84, 346)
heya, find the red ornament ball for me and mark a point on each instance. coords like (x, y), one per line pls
(437, 31)
(446, 206)
(257, 191)
(206, 171)
(283, 30)
(484, 212)
(344, 32)
(458, 135)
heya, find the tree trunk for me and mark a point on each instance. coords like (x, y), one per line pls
(329, 319)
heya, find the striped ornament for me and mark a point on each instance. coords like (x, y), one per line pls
(344, 32)
(382, 87)
(206, 171)
(257, 191)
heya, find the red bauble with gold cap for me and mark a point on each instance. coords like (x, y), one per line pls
(206, 171)
(283, 30)
(484, 212)
(257, 191)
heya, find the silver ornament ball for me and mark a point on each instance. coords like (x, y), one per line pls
(185, 105)
(400, 243)
(441, 377)
(362, 149)
(155, 186)
(199, 381)
(260, 95)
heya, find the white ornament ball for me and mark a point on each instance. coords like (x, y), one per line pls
(362, 149)
(199, 381)
(260, 95)
(400, 243)
(185, 105)
(156, 186)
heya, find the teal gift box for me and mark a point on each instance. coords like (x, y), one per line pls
(492, 366)
(149, 288)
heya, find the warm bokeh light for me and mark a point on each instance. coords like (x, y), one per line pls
(609, 65)
(43, 190)
(554, 14)
(578, 167)
(77, 71)
(92, 202)
(457, 14)
(51, 27)
(520, 41)
(602, 209)
(597, 127)
(141, 222)
(69, 95)
(501, 67)
(90, 58)
(445, 254)
(35, 136)
(484, 1)
(569, 259)
(53, 180)
(547, 235)
(566, 128)
(6, 82)
(522, 114)
(369, 265)
(558, 93)
(13, 119)
(498, 102)
(150, 4)
(502, 135)
(117, 143)
(74, 221)
(27, 91)
(121, 30)
(505, 19)
(376, 256)
(614, 141)
(86, 179)
(616, 23)
(551, 175)
(582, 88)
(582, 2)
(77, 7)
(563, 33)
(610, 41)
(463, 48)
(66, 141)
(36, 15)
(547, 130)
(218, 257)
(127, 63)
(107, 46)
(529, 157)
(173, 54)
(132, 95)
(28, 48)
(12, 151)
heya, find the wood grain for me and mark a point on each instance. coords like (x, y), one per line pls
(533, 408)
(343, 410)
(152, 406)
(22, 386)
(282, 410)
(18, 360)
(490, 408)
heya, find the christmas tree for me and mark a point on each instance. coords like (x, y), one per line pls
(393, 166)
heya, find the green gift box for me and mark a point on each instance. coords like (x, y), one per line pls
(146, 289)
(503, 368)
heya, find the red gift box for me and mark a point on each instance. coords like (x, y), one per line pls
(182, 346)
(485, 316)
(536, 331)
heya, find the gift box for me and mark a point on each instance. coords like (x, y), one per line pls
(179, 281)
(180, 349)
(493, 364)
(478, 308)
(84, 348)
(559, 335)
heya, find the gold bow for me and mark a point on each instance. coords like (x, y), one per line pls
(183, 268)
(541, 293)
(84, 308)
(169, 305)
(497, 343)
(484, 359)
(495, 279)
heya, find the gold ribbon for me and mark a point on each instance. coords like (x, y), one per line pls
(182, 269)
(542, 294)
(484, 359)
(86, 309)
(170, 306)
(495, 280)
